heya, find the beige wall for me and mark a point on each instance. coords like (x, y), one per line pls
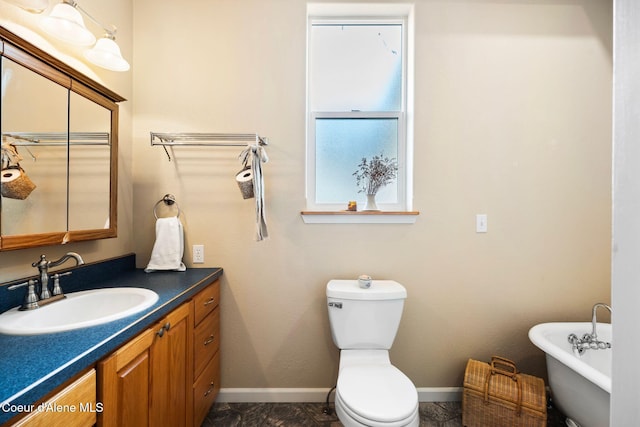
(513, 106)
(16, 264)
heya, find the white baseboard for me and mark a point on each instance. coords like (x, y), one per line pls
(282, 395)
(272, 395)
(439, 394)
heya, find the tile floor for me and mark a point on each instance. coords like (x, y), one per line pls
(438, 414)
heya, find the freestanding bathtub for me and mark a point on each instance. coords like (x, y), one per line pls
(580, 385)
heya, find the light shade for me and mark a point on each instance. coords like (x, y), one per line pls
(35, 6)
(65, 23)
(106, 54)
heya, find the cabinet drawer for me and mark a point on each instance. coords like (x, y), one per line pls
(206, 389)
(206, 341)
(75, 406)
(206, 301)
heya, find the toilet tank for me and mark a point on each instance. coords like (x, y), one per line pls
(364, 318)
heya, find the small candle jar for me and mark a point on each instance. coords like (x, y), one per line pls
(352, 206)
(364, 281)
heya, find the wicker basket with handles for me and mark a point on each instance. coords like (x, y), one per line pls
(495, 394)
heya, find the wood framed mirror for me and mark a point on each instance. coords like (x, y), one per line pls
(61, 127)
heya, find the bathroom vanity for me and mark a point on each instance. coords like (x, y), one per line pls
(161, 370)
(158, 367)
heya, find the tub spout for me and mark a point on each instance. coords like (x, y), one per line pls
(594, 335)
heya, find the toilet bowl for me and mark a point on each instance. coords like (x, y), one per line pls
(370, 391)
(373, 392)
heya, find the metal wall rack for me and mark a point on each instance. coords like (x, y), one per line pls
(206, 139)
(27, 139)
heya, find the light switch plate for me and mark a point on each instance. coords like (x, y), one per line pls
(481, 223)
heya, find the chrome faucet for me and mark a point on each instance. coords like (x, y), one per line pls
(31, 299)
(593, 318)
(589, 341)
(43, 266)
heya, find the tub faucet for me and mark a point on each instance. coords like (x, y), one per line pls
(594, 336)
(589, 340)
(43, 267)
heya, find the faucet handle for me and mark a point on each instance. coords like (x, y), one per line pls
(57, 290)
(58, 275)
(31, 298)
(41, 263)
(30, 282)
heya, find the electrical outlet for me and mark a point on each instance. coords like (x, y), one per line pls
(198, 254)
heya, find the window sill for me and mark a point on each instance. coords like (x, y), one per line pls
(359, 217)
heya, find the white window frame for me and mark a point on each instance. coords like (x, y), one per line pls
(372, 14)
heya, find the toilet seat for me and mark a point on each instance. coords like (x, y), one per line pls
(350, 419)
(377, 395)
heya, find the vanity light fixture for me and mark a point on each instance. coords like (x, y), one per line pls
(65, 23)
(33, 6)
(106, 54)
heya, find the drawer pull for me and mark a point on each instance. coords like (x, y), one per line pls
(167, 326)
(209, 340)
(209, 301)
(211, 387)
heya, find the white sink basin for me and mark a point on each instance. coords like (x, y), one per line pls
(78, 310)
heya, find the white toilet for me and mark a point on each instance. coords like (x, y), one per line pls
(370, 390)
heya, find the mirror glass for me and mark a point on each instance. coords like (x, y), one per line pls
(89, 161)
(31, 106)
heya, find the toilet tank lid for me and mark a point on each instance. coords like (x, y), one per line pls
(379, 290)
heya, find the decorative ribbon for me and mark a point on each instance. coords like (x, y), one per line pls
(9, 152)
(255, 155)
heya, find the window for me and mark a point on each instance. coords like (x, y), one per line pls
(357, 88)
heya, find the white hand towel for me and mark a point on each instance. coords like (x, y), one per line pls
(169, 246)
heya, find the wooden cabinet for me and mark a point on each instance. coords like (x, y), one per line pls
(171, 365)
(145, 381)
(124, 383)
(206, 354)
(74, 406)
(169, 375)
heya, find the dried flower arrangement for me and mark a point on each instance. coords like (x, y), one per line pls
(375, 173)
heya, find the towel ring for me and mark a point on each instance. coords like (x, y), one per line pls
(168, 199)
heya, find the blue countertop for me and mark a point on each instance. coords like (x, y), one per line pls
(33, 366)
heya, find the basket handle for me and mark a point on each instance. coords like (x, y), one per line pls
(506, 367)
(503, 366)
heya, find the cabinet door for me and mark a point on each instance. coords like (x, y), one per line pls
(171, 367)
(124, 379)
